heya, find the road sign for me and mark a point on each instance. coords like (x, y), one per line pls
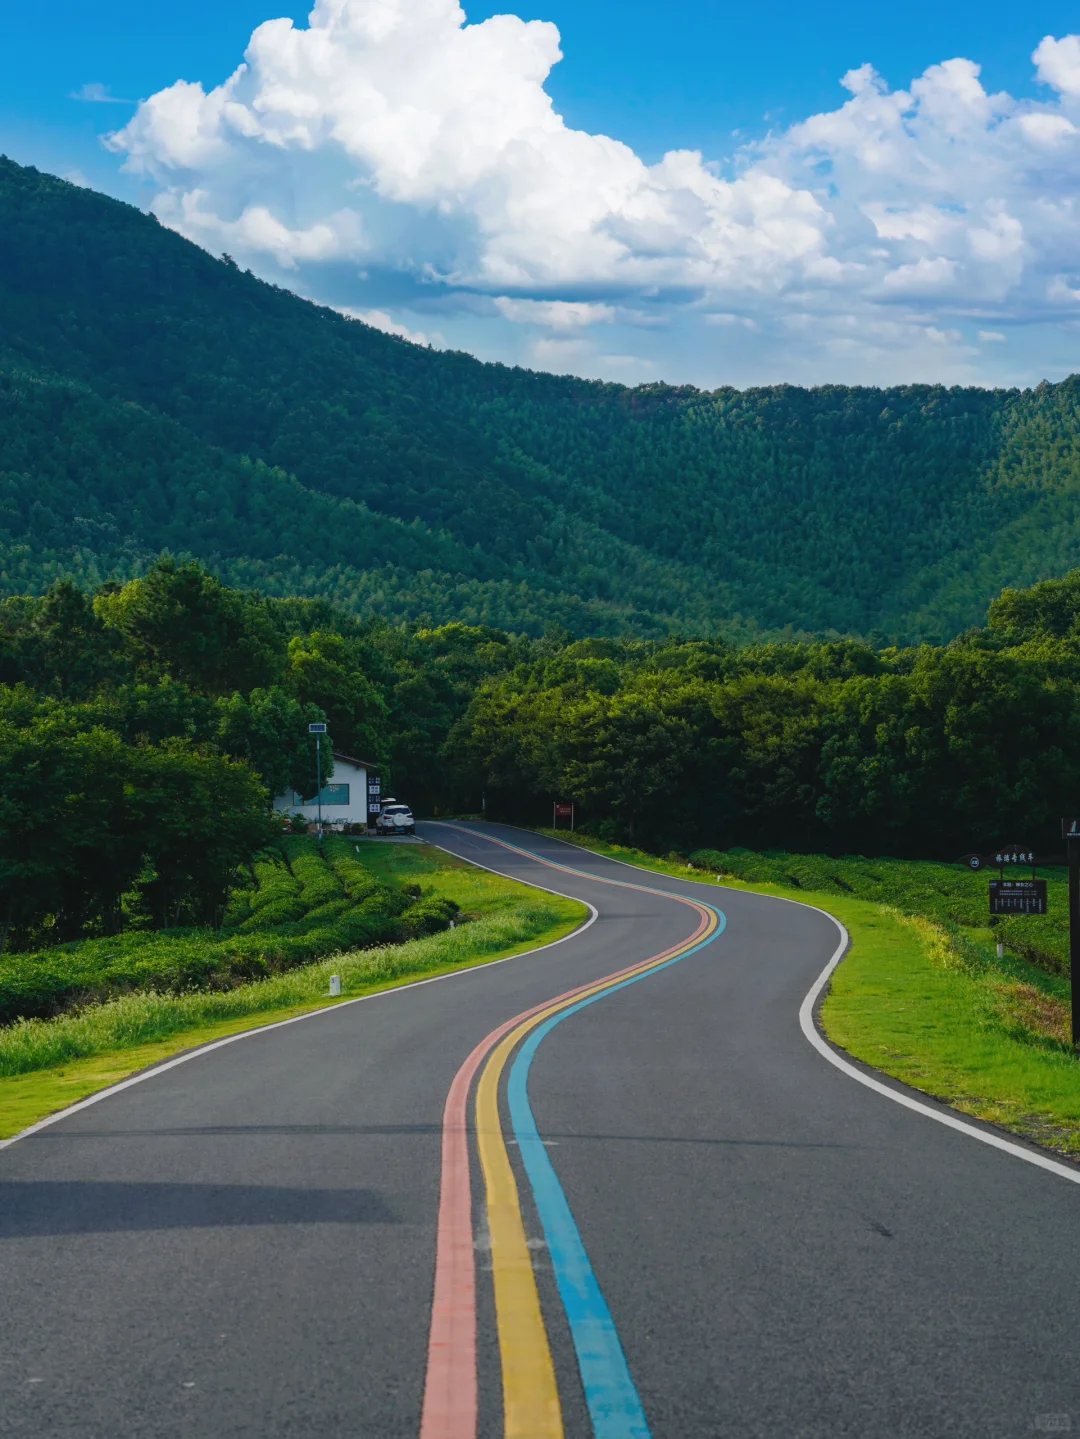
(1018, 896)
(1013, 854)
(564, 811)
(1070, 829)
(316, 729)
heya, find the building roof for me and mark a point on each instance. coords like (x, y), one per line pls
(351, 759)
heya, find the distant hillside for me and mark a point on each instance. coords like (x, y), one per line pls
(153, 397)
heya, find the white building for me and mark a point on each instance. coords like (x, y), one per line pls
(349, 796)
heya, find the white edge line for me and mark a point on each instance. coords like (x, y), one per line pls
(311, 1014)
(814, 1035)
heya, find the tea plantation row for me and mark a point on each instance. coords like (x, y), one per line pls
(300, 903)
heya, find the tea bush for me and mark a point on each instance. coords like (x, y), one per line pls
(294, 917)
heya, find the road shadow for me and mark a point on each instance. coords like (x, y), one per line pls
(49, 1207)
(229, 1131)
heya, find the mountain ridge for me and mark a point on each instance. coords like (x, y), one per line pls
(153, 397)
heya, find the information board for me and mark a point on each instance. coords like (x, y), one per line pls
(1018, 896)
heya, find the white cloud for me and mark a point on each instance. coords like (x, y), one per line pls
(991, 337)
(391, 134)
(94, 93)
(381, 320)
(723, 318)
(562, 355)
(384, 104)
(554, 314)
(1058, 63)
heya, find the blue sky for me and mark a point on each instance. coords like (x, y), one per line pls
(926, 237)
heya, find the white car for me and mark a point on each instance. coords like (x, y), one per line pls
(395, 818)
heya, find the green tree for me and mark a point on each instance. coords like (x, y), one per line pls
(68, 844)
(324, 673)
(269, 729)
(200, 816)
(178, 620)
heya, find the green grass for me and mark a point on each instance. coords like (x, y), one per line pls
(949, 894)
(301, 910)
(922, 995)
(476, 891)
(46, 1064)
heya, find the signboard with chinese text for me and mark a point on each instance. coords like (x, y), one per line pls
(1012, 854)
(1018, 896)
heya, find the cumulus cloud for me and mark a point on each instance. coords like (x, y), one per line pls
(400, 101)
(393, 135)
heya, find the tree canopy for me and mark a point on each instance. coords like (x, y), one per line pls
(154, 398)
(134, 781)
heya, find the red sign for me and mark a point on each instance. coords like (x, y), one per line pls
(564, 811)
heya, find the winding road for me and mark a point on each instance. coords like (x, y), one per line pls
(604, 1189)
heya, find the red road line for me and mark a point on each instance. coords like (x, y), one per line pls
(450, 1388)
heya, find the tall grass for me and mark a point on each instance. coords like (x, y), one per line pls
(139, 1018)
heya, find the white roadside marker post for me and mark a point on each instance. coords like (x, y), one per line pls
(335, 986)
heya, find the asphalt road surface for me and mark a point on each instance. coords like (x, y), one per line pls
(245, 1244)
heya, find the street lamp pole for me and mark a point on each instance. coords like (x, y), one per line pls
(318, 730)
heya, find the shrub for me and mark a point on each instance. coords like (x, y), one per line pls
(319, 883)
(277, 898)
(428, 916)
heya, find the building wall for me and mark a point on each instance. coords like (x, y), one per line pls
(346, 777)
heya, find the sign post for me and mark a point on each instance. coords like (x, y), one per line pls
(559, 811)
(317, 730)
(1070, 833)
(1016, 896)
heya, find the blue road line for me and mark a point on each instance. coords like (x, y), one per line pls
(614, 1405)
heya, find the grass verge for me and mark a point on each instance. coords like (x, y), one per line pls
(928, 1001)
(48, 1064)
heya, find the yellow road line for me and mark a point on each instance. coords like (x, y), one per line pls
(531, 1406)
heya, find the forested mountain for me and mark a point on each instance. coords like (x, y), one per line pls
(153, 397)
